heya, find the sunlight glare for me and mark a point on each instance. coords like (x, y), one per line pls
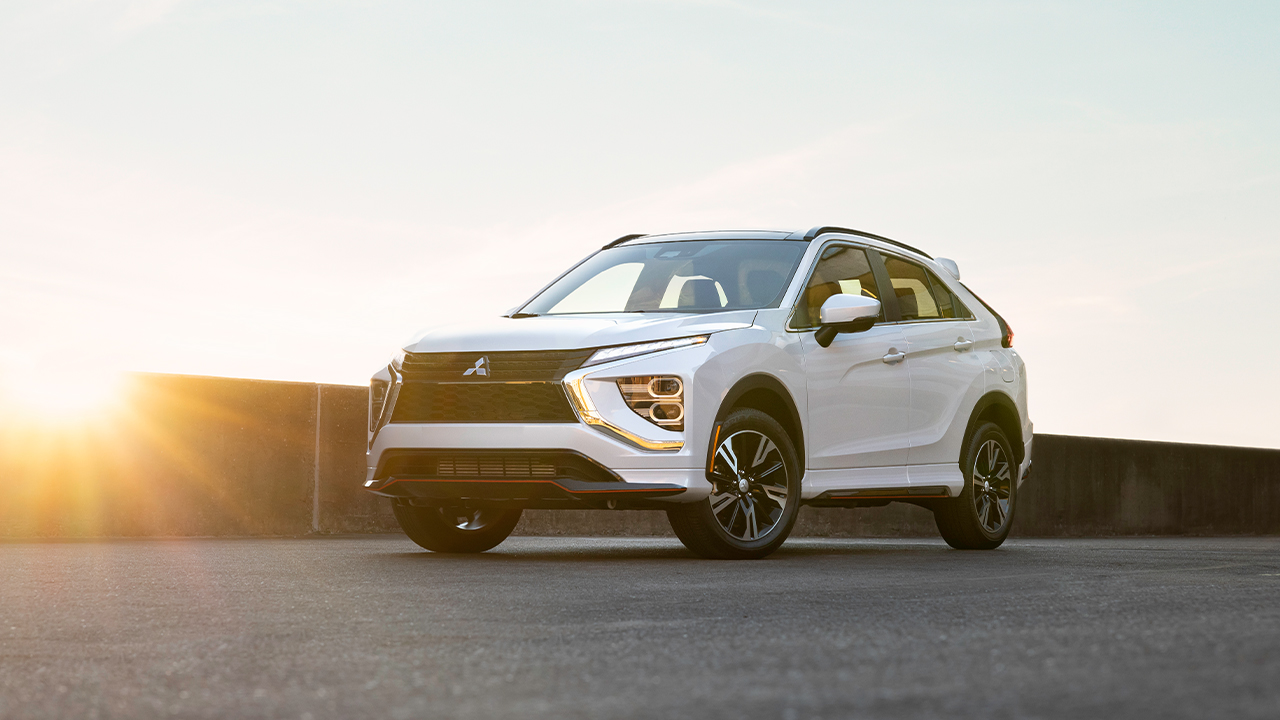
(62, 397)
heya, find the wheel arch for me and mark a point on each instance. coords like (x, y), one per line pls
(767, 394)
(998, 408)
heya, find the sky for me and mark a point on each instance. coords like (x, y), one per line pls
(289, 190)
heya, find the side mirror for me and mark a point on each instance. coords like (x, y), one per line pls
(844, 313)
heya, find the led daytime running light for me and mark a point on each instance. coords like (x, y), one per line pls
(587, 412)
(628, 351)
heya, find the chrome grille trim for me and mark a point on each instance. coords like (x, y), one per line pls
(520, 366)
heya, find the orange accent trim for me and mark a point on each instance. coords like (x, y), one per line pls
(715, 442)
(879, 497)
(548, 482)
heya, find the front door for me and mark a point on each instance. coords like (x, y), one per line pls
(859, 388)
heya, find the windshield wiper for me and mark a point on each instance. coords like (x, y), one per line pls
(522, 315)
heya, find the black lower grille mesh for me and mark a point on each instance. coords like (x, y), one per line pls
(482, 403)
(494, 466)
(515, 465)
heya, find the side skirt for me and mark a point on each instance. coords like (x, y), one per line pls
(875, 497)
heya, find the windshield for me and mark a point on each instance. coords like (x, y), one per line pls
(693, 277)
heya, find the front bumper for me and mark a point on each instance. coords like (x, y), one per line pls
(633, 475)
(554, 493)
(645, 461)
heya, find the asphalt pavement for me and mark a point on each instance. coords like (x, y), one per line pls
(371, 627)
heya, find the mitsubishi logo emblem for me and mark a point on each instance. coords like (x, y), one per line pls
(481, 368)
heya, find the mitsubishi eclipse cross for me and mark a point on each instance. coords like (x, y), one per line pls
(725, 377)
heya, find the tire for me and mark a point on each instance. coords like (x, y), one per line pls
(981, 517)
(456, 530)
(730, 523)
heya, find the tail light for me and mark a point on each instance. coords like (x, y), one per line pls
(1008, 336)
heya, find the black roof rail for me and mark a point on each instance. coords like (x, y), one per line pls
(815, 232)
(623, 239)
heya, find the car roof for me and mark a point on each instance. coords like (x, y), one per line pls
(798, 236)
(711, 235)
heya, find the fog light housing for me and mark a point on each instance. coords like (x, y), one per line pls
(378, 391)
(656, 398)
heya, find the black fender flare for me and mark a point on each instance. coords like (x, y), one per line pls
(1004, 406)
(785, 405)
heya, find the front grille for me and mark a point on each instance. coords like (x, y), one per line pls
(481, 402)
(494, 466)
(532, 366)
(515, 465)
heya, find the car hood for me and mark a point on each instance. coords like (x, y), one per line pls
(572, 332)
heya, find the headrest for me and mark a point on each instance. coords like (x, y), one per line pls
(907, 303)
(699, 293)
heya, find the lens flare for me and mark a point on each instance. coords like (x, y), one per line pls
(61, 397)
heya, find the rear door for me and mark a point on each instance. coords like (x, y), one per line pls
(946, 374)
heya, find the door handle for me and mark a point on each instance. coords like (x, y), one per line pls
(962, 345)
(894, 356)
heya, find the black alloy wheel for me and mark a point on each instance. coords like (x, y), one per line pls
(980, 518)
(755, 494)
(992, 481)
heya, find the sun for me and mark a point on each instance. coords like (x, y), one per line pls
(59, 397)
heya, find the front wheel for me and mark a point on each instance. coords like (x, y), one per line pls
(755, 495)
(456, 529)
(981, 517)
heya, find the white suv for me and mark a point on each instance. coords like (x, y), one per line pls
(725, 377)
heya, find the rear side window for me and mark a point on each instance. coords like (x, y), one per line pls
(921, 295)
(841, 269)
(912, 287)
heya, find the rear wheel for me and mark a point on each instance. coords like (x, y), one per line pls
(981, 517)
(456, 529)
(756, 492)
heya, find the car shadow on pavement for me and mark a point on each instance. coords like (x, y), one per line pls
(594, 549)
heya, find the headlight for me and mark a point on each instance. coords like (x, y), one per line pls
(658, 399)
(626, 351)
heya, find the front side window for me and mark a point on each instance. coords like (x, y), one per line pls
(691, 276)
(921, 295)
(841, 269)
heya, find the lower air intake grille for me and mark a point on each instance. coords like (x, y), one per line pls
(480, 402)
(516, 465)
(495, 466)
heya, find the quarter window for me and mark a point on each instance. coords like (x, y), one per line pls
(921, 295)
(948, 303)
(841, 269)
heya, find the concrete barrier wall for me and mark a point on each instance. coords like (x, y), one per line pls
(216, 456)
